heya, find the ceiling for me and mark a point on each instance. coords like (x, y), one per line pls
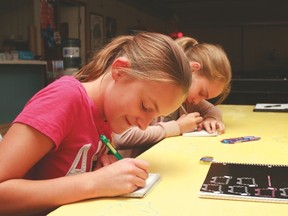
(215, 12)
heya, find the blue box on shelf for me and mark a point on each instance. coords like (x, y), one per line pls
(26, 55)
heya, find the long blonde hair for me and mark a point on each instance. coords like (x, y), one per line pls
(213, 59)
(152, 56)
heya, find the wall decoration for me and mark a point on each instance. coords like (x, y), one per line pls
(96, 32)
(111, 28)
(47, 23)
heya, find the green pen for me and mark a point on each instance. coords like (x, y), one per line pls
(106, 141)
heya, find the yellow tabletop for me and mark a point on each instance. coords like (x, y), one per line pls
(177, 160)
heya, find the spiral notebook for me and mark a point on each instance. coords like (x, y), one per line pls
(248, 182)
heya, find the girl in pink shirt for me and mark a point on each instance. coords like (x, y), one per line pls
(52, 154)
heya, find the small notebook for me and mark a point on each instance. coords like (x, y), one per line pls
(270, 107)
(153, 178)
(247, 182)
(201, 133)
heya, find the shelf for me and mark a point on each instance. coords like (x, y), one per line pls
(25, 62)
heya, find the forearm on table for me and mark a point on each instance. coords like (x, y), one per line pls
(135, 137)
(35, 196)
(135, 141)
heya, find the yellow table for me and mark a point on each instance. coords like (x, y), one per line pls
(177, 160)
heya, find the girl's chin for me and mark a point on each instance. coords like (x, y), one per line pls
(121, 126)
(120, 130)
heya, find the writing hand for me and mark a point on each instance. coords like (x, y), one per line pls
(188, 122)
(122, 177)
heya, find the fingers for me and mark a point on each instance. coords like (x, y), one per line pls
(122, 177)
(188, 122)
(211, 126)
(141, 164)
(136, 167)
(138, 171)
(199, 127)
(140, 181)
(194, 114)
(220, 128)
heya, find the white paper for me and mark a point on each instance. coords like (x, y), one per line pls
(201, 133)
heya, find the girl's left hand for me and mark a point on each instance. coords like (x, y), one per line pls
(211, 125)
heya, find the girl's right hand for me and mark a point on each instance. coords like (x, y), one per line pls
(188, 122)
(121, 177)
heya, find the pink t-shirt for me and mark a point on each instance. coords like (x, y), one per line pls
(64, 113)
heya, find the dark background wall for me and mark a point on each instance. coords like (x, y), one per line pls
(253, 33)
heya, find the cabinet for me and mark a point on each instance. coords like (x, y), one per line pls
(19, 81)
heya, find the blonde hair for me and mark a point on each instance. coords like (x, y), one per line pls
(152, 56)
(215, 65)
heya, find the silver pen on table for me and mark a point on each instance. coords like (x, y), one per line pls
(275, 105)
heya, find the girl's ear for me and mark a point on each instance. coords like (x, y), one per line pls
(117, 67)
(195, 66)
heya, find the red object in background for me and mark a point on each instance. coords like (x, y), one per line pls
(47, 15)
(175, 35)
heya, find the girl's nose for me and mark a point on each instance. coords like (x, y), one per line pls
(144, 121)
(195, 100)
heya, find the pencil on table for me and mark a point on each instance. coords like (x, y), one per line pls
(183, 109)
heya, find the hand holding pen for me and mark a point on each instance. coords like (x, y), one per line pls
(189, 122)
(119, 178)
(209, 123)
(123, 176)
